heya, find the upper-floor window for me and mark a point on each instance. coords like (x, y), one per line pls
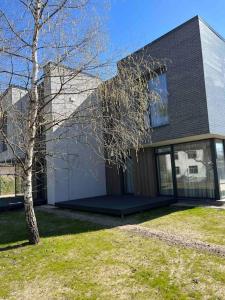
(158, 107)
(192, 154)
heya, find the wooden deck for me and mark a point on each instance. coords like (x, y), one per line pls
(116, 205)
(12, 203)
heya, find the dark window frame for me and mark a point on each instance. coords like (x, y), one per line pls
(172, 152)
(193, 169)
(155, 74)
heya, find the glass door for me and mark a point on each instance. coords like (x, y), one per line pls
(165, 176)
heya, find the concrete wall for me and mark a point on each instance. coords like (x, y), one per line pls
(75, 169)
(13, 102)
(213, 49)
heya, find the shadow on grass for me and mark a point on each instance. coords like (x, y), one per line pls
(13, 227)
(13, 247)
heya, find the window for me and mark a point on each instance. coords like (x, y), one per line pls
(195, 179)
(193, 169)
(177, 170)
(192, 154)
(220, 163)
(158, 108)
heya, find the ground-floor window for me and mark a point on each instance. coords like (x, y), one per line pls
(196, 177)
(11, 182)
(165, 178)
(220, 163)
(195, 169)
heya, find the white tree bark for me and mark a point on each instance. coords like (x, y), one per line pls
(31, 221)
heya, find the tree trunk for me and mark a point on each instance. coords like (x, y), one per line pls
(33, 233)
(32, 115)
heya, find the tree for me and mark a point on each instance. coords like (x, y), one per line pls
(67, 33)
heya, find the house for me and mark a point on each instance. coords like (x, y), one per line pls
(186, 155)
(66, 168)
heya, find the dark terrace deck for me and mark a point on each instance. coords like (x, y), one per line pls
(116, 205)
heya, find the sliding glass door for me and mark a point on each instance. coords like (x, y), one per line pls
(165, 178)
(194, 170)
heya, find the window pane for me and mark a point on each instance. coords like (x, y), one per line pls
(196, 176)
(159, 100)
(165, 174)
(220, 163)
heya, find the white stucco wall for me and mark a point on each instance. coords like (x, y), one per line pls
(74, 169)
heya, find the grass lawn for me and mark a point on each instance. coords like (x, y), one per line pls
(77, 260)
(199, 223)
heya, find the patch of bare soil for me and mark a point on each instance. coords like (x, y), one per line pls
(129, 226)
(175, 239)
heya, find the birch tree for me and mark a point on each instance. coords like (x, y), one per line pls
(69, 33)
(38, 31)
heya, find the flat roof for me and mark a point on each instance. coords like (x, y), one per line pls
(197, 17)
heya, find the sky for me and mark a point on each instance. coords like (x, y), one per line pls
(131, 24)
(135, 23)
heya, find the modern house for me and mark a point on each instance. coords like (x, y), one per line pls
(186, 155)
(68, 168)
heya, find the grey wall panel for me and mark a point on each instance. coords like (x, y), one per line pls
(213, 50)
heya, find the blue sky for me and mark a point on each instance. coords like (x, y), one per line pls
(134, 23)
(131, 24)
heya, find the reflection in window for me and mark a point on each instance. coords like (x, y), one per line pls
(177, 170)
(192, 154)
(195, 180)
(11, 182)
(220, 163)
(159, 100)
(165, 177)
(193, 169)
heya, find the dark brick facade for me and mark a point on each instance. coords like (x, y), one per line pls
(187, 105)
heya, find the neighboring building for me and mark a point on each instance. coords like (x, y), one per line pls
(72, 169)
(186, 155)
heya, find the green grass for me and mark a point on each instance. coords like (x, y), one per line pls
(77, 260)
(199, 223)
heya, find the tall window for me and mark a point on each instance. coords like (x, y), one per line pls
(220, 162)
(158, 108)
(195, 179)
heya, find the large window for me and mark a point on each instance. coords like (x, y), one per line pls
(196, 177)
(158, 108)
